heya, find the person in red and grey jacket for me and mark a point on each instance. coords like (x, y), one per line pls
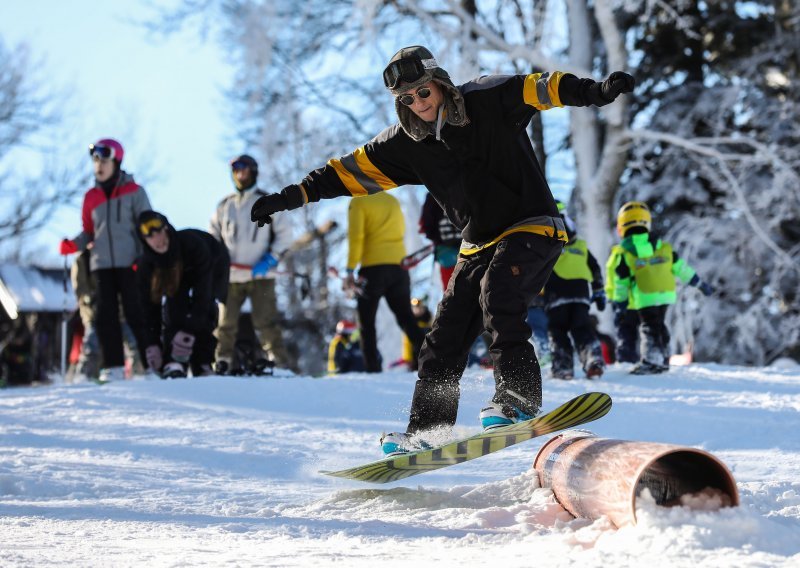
(109, 214)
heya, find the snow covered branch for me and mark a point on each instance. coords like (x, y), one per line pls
(709, 147)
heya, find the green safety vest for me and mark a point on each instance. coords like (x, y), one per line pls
(652, 281)
(573, 264)
(653, 274)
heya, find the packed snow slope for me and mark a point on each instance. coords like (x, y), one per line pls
(224, 471)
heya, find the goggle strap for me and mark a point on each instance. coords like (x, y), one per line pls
(429, 63)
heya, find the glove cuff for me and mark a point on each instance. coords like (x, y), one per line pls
(295, 196)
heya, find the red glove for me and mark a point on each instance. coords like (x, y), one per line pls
(68, 247)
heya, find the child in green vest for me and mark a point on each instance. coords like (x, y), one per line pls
(644, 269)
(575, 283)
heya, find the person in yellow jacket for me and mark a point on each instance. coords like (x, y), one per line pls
(645, 268)
(575, 283)
(376, 228)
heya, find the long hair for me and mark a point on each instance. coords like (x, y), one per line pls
(165, 281)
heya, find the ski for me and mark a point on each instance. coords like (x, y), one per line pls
(413, 259)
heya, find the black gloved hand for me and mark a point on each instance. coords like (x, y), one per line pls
(266, 205)
(599, 299)
(706, 288)
(618, 82)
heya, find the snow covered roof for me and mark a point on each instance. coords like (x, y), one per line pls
(33, 289)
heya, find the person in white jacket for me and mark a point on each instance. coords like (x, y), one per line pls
(255, 253)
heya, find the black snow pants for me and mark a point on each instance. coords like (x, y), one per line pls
(115, 285)
(626, 326)
(489, 290)
(388, 281)
(655, 335)
(568, 323)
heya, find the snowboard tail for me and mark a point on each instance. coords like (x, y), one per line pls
(580, 410)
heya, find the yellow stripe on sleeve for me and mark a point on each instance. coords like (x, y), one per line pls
(347, 178)
(541, 90)
(370, 170)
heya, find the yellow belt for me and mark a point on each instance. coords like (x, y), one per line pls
(543, 230)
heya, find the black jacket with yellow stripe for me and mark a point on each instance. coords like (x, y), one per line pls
(484, 174)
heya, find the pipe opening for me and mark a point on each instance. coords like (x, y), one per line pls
(683, 477)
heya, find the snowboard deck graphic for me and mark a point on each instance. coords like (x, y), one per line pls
(580, 410)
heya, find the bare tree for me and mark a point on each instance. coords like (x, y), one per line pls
(307, 89)
(27, 114)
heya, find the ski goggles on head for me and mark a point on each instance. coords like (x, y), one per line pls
(408, 69)
(408, 98)
(102, 152)
(239, 165)
(151, 226)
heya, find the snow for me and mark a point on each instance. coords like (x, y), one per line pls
(224, 471)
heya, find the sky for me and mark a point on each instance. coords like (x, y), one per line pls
(224, 471)
(161, 97)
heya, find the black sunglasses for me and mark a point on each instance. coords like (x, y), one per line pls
(408, 99)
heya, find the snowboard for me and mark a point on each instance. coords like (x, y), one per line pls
(580, 410)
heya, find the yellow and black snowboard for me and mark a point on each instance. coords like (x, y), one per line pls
(580, 410)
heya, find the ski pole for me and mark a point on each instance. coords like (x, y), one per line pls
(64, 324)
(358, 287)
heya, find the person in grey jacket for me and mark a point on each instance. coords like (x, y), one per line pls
(255, 252)
(109, 214)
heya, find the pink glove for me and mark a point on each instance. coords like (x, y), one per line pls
(67, 247)
(154, 358)
(182, 345)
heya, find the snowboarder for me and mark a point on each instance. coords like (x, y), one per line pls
(468, 145)
(109, 213)
(576, 283)
(645, 268)
(255, 254)
(190, 268)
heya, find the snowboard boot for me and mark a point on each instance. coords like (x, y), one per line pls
(648, 368)
(397, 443)
(562, 374)
(203, 370)
(222, 367)
(263, 367)
(595, 369)
(111, 374)
(496, 415)
(173, 370)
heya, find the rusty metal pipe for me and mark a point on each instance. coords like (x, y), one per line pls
(593, 477)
